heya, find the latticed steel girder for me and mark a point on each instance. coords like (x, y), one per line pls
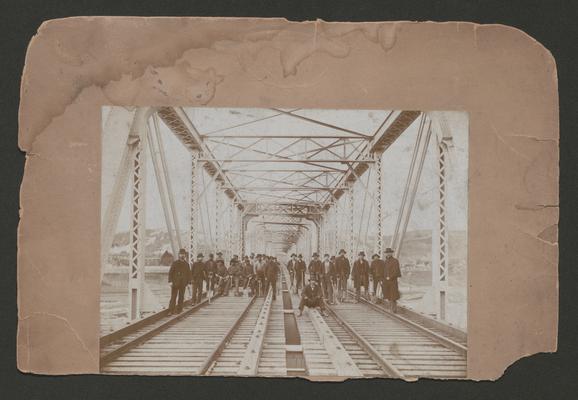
(178, 122)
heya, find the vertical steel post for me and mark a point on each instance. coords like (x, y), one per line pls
(335, 236)
(193, 223)
(230, 231)
(318, 236)
(218, 212)
(350, 222)
(138, 228)
(323, 222)
(242, 234)
(378, 204)
(440, 235)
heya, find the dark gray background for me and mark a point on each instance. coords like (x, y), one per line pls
(540, 376)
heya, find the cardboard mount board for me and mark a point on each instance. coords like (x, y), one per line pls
(504, 79)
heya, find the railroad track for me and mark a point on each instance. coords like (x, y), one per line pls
(187, 344)
(249, 336)
(401, 347)
(330, 350)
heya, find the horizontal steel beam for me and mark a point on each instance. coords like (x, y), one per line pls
(286, 189)
(258, 136)
(327, 171)
(280, 223)
(289, 160)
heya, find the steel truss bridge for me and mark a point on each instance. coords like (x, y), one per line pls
(309, 185)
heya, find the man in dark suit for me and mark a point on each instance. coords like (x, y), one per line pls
(299, 273)
(223, 278)
(291, 267)
(377, 271)
(342, 270)
(235, 271)
(210, 273)
(198, 276)
(315, 268)
(360, 274)
(179, 278)
(327, 275)
(271, 273)
(391, 274)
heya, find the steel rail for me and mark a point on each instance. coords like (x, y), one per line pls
(444, 341)
(384, 363)
(125, 347)
(204, 368)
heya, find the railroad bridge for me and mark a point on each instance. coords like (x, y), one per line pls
(272, 181)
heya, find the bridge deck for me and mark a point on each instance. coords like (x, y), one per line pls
(352, 340)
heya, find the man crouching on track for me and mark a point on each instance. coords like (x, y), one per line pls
(179, 278)
(312, 297)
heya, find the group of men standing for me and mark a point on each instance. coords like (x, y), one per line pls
(253, 273)
(328, 278)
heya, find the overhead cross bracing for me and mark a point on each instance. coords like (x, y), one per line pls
(265, 158)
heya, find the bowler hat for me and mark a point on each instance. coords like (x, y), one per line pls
(326, 255)
(219, 253)
(293, 255)
(182, 251)
(300, 256)
(315, 255)
(373, 257)
(361, 253)
(389, 250)
(200, 255)
(342, 251)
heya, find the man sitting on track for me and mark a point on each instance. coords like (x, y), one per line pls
(312, 297)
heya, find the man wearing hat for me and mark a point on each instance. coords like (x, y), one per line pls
(260, 274)
(248, 277)
(342, 270)
(235, 271)
(210, 273)
(315, 268)
(197, 277)
(272, 274)
(179, 278)
(377, 270)
(391, 274)
(222, 275)
(291, 268)
(327, 275)
(299, 273)
(360, 274)
(312, 297)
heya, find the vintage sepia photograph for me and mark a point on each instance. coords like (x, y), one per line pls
(283, 242)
